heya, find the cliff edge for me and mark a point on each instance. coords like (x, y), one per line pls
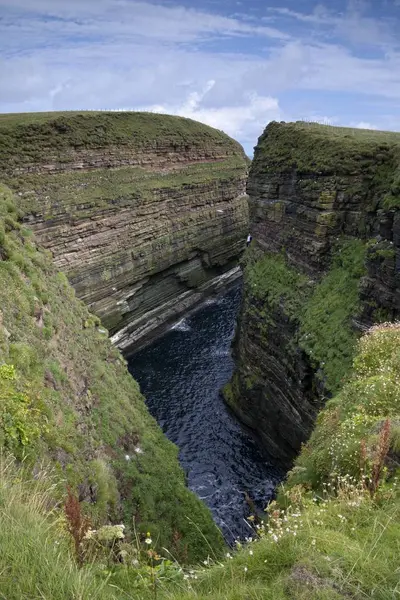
(324, 267)
(145, 213)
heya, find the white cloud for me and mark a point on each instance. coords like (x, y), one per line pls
(353, 25)
(60, 19)
(363, 125)
(79, 54)
(244, 121)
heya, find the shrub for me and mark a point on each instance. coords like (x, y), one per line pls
(21, 420)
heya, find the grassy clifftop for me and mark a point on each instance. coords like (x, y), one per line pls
(324, 147)
(37, 137)
(338, 151)
(66, 395)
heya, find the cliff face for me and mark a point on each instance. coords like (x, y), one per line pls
(324, 266)
(145, 213)
(66, 396)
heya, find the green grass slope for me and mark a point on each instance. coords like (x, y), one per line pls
(35, 558)
(337, 151)
(333, 535)
(36, 137)
(66, 395)
(323, 311)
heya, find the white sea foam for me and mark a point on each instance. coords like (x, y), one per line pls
(181, 325)
(210, 302)
(220, 353)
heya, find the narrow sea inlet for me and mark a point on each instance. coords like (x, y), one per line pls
(181, 375)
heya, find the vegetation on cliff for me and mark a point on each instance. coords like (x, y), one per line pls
(326, 330)
(30, 138)
(349, 429)
(138, 209)
(322, 311)
(323, 269)
(80, 193)
(333, 534)
(66, 395)
(326, 150)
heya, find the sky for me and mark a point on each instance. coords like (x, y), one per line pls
(233, 64)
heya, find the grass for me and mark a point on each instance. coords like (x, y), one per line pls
(326, 331)
(392, 198)
(80, 193)
(53, 137)
(325, 149)
(270, 281)
(347, 430)
(329, 539)
(35, 559)
(323, 311)
(67, 395)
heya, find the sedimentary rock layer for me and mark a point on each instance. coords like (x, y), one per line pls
(141, 211)
(325, 264)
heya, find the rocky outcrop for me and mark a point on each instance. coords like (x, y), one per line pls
(145, 213)
(324, 266)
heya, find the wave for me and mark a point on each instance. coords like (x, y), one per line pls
(181, 325)
(210, 302)
(220, 352)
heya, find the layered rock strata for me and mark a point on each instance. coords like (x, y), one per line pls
(324, 265)
(145, 213)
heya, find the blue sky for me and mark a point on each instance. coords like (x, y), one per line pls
(234, 64)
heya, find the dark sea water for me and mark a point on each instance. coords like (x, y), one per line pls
(181, 375)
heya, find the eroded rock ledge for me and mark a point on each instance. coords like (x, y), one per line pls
(143, 212)
(324, 266)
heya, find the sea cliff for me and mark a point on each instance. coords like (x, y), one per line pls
(146, 214)
(323, 267)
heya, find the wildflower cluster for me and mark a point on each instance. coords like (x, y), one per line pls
(107, 533)
(357, 429)
(280, 522)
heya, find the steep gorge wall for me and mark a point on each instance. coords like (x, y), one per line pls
(145, 213)
(324, 266)
(69, 406)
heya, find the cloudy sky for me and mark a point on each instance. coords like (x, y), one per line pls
(234, 64)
